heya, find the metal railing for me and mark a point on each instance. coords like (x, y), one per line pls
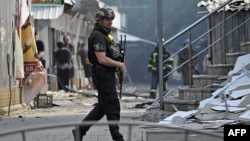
(219, 34)
(133, 127)
(225, 31)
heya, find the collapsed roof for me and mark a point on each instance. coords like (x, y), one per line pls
(210, 5)
(229, 104)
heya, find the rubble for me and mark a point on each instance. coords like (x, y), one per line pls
(232, 6)
(229, 104)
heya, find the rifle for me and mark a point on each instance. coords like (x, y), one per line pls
(122, 52)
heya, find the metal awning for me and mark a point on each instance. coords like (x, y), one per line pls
(47, 12)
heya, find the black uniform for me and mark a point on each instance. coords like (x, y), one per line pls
(104, 81)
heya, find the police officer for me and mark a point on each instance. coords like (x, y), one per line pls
(153, 67)
(104, 54)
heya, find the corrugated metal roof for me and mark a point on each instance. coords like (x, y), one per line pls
(47, 12)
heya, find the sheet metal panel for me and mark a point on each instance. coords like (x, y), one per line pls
(47, 12)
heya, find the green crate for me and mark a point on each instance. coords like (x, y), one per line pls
(43, 101)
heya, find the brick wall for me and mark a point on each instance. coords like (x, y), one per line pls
(5, 96)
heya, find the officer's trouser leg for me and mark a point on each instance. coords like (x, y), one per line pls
(112, 110)
(95, 115)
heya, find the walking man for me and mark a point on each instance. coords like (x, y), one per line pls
(103, 54)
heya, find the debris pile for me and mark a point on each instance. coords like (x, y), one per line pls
(229, 104)
(232, 6)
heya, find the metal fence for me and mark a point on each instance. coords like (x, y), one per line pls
(225, 32)
(132, 131)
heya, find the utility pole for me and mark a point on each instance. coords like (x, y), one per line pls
(159, 13)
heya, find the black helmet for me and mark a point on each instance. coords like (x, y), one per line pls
(105, 13)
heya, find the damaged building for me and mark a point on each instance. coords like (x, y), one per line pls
(222, 96)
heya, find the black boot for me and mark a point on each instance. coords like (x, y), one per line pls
(120, 139)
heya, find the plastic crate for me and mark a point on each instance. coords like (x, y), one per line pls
(43, 101)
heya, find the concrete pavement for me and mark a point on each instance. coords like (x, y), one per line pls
(96, 132)
(69, 109)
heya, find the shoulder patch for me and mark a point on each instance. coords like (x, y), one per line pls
(97, 46)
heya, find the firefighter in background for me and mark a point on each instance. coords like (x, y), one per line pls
(153, 67)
